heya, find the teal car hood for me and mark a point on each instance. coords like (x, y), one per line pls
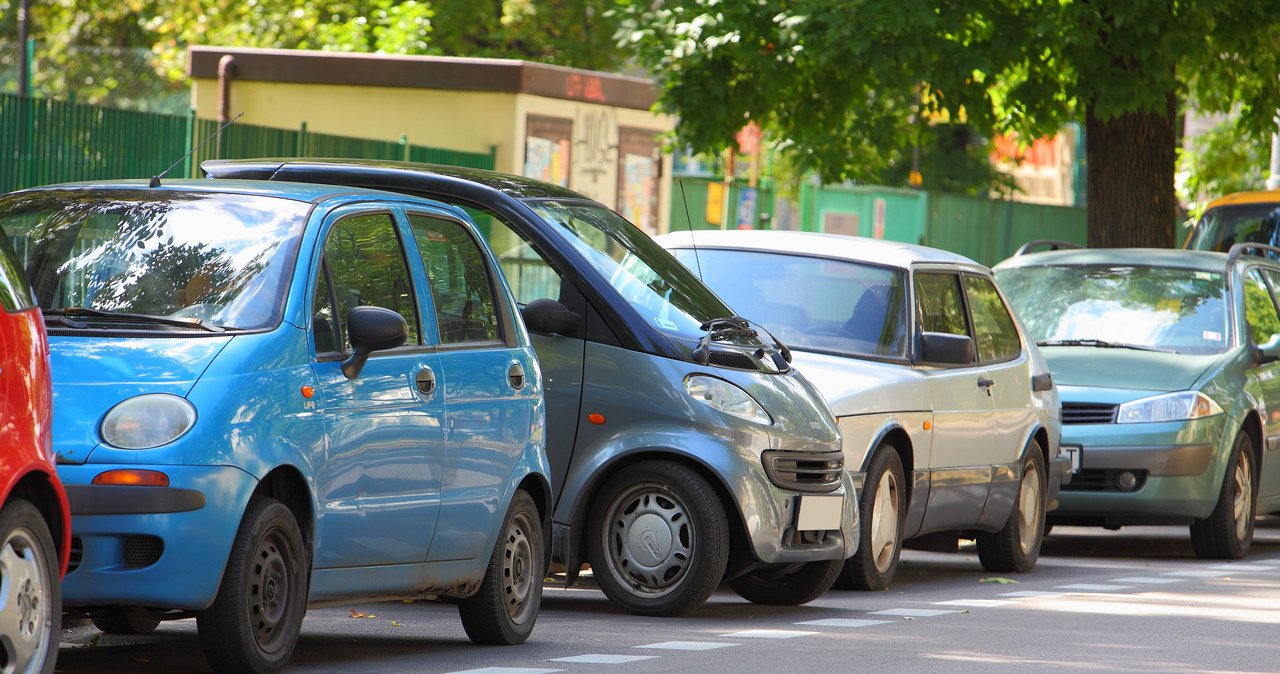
(92, 375)
(1125, 368)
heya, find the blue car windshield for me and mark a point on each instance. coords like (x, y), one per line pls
(812, 304)
(1158, 308)
(182, 258)
(659, 288)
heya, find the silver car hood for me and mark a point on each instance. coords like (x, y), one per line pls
(855, 386)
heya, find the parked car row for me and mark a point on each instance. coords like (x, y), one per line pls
(306, 382)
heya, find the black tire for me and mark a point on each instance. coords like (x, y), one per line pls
(505, 608)
(125, 622)
(1227, 533)
(882, 513)
(29, 569)
(254, 621)
(673, 510)
(1016, 547)
(788, 584)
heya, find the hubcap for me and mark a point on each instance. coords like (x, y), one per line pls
(25, 616)
(649, 539)
(1029, 509)
(884, 521)
(519, 568)
(270, 589)
(1242, 497)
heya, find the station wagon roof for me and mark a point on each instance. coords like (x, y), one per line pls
(838, 246)
(1138, 257)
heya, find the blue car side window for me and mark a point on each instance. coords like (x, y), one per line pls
(460, 285)
(363, 265)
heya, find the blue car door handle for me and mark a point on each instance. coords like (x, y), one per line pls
(515, 376)
(426, 381)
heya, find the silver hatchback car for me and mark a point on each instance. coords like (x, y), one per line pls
(948, 412)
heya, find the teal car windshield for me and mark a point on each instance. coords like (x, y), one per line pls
(658, 287)
(812, 304)
(156, 259)
(1147, 308)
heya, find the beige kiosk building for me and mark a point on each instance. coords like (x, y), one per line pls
(592, 132)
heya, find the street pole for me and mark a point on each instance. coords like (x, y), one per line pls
(24, 65)
(1273, 181)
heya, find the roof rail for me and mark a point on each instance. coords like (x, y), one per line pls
(1051, 243)
(1238, 250)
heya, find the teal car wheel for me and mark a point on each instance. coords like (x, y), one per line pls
(1227, 533)
(30, 603)
(660, 542)
(505, 608)
(788, 584)
(125, 622)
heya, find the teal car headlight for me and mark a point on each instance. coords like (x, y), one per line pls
(147, 421)
(725, 397)
(1180, 406)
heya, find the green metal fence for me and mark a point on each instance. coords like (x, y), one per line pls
(45, 141)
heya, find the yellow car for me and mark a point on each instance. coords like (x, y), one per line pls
(1252, 217)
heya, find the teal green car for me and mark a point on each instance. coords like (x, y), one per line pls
(1167, 363)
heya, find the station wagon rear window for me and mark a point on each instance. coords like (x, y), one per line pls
(155, 259)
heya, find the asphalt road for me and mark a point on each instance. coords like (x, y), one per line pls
(1133, 600)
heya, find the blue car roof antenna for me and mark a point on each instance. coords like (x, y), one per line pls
(155, 179)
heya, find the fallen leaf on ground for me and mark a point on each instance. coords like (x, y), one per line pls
(360, 614)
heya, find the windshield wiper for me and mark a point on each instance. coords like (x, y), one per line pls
(718, 329)
(81, 312)
(1103, 344)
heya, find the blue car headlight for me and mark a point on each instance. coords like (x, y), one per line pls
(725, 397)
(1179, 406)
(147, 421)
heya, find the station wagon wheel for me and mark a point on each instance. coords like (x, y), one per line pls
(504, 609)
(30, 594)
(882, 514)
(254, 621)
(1227, 533)
(659, 539)
(1016, 547)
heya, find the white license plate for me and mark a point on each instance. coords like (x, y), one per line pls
(1074, 452)
(820, 513)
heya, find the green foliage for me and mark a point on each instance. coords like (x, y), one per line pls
(1224, 159)
(844, 80)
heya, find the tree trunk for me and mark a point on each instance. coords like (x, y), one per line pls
(1131, 161)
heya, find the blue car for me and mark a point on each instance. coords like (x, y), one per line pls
(274, 395)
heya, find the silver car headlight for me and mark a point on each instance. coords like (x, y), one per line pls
(1180, 406)
(147, 421)
(725, 397)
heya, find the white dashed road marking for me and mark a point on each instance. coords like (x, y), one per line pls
(1144, 580)
(688, 645)
(1034, 593)
(1243, 567)
(844, 622)
(768, 634)
(508, 670)
(979, 603)
(1197, 574)
(603, 659)
(913, 612)
(1093, 587)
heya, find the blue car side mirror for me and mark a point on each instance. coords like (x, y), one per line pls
(372, 329)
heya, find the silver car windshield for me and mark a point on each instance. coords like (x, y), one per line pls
(812, 304)
(660, 289)
(155, 259)
(1148, 308)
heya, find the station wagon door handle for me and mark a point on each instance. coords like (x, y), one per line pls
(986, 384)
(516, 376)
(426, 381)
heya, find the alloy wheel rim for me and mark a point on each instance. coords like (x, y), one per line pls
(884, 521)
(649, 539)
(519, 568)
(1029, 509)
(26, 618)
(1242, 497)
(270, 590)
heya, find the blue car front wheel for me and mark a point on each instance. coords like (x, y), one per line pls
(254, 622)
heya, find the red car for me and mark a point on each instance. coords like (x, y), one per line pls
(35, 531)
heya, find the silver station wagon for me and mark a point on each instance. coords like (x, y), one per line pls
(948, 412)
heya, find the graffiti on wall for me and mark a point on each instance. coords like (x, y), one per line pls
(595, 152)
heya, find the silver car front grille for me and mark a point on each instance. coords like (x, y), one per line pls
(804, 471)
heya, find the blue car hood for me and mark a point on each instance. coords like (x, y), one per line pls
(92, 375)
